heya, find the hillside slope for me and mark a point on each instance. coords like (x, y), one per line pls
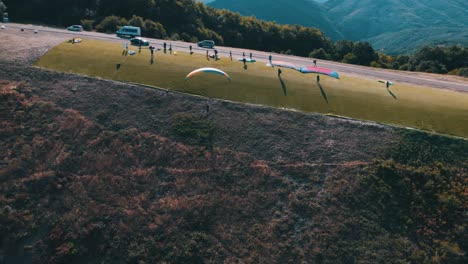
(303, 12)
(96, 171)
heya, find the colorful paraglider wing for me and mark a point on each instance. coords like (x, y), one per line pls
(283, 64)
(318, 70)
(207, 70)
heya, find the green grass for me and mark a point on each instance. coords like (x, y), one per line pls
(420, 107)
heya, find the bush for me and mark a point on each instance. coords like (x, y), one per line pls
(110, 24)
(87, 24)
(463, 72)
(193, 130)
(319, 54)
(154, 29)
(137, 21)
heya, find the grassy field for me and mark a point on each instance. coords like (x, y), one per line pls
(425, 108)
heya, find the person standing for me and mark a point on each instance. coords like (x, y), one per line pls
(315, 63)
(165, 46)
(250, 55)
(279, 72)
(190, 47)
(318, 78)
(170, 48)
(230, 55)
(270, 58)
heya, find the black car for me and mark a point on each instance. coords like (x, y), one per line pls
(139, 42)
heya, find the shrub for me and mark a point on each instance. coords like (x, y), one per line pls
(87, 24)
(193, 130)
(463, 72)
(154, 29)
(110, 24)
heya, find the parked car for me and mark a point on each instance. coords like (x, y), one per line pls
(128, 32)
(139, 42)
(75, 28)
(206, 44)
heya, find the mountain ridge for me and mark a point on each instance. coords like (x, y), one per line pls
(274, 11)
(386, 24)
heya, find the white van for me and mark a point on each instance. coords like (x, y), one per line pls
(128, 32)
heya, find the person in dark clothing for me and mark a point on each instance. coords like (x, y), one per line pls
(230, 54)
(165, 46)
(270, 58)
(190, 47)
(250, 55)
(318, 78)
(315, 63)
(279, 72)
(216, 54)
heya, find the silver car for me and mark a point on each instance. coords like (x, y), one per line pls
(75, 28)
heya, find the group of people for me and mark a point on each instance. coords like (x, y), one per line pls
(214, 56)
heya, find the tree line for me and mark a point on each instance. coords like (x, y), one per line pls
(192, 21)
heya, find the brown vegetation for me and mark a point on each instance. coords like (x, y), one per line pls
(72, 190)
(93, 171)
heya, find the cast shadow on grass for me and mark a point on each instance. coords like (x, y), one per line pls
(392, 94)
(283, 85)
(324, 95)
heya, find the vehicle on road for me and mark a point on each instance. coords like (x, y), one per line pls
(128, 32)
(206, 44)
(139, 42)
(75, 28)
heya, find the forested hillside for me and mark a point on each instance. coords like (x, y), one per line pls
(303, 12)
(391, 26)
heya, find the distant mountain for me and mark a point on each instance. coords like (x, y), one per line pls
(394, 26)
(367, 19)
(303, 12)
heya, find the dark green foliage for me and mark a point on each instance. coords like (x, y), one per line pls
(154, 29)
(463, 72)
(319, 54)
(110, 24)
(193, 130)
(364, 53)
(426, 203)
(87, 24)
(417, 148)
